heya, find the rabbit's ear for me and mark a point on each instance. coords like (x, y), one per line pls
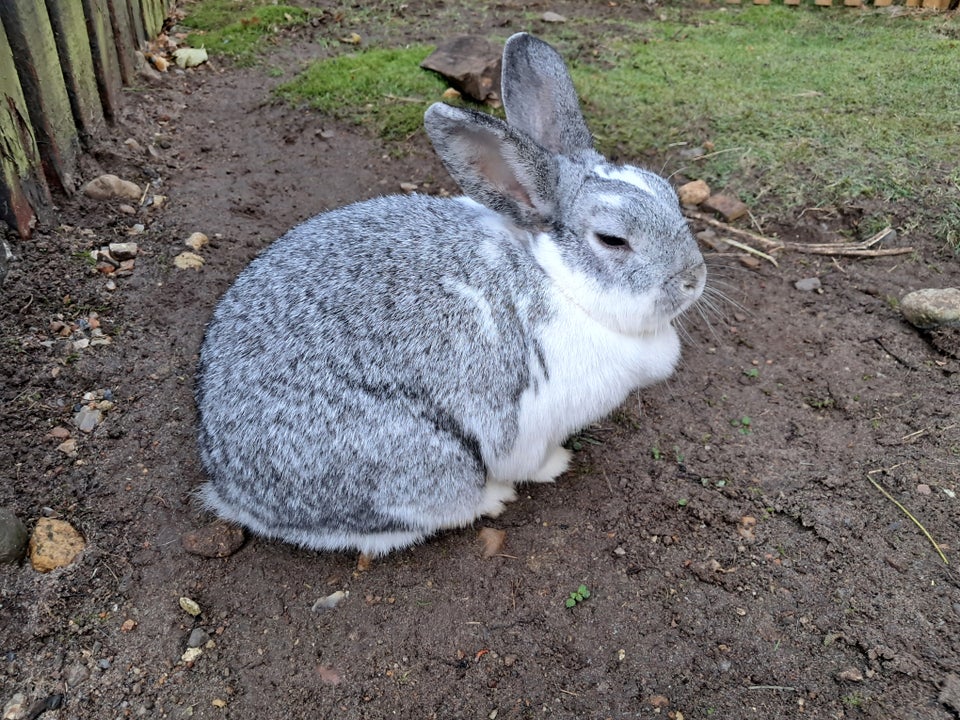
(539, 97)
(494, 164)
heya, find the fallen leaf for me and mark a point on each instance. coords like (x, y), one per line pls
(492, 541)
(351, 39)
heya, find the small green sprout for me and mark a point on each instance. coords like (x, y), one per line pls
(743, 424)
(577, 596)
(752, 373)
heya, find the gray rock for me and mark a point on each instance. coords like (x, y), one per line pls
(812, 284)
(13, 537)
(932, 308)
(87, 418)
(198, 638)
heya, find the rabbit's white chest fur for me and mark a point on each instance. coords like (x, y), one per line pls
(588, 369)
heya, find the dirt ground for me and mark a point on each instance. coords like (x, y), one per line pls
(740, 563)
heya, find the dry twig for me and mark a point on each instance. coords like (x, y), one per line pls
(845, 249)
(906, 512)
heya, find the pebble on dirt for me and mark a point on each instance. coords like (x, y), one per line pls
(124, 250)
(54, 544)
(87, 418)
(189, 606)
(693, 192)
(110, 187)
(932, 308)
(13, 537)
(196, 241)
(950, 692)
(729, 208)
(330, 601)
(811, 284)
(219, 539)
(188, 261)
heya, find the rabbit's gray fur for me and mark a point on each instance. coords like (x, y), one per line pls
(395, 366)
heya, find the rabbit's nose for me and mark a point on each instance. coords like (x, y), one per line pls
(693, 280)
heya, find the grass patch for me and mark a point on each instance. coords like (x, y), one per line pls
(383, 89)
(809, 105)
(239, 28)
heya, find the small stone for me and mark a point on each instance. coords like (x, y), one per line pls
(87, 418)
(408, 187)
(133, 145)
(932, 308)
(124, 251)
(219, 703)
(110, 187)
(219, 539)
(127, 209)
(188, 261)
(59, 433)
(196, 241)
(189, 606)
(111, 285)
(693, 193)
(16, 708)
(749, 261)
(13, 537)
(330, 601)
(54, 544)
(850, 675)
(198, 638)
(950, 692)
(811, 284)
(728, 207)
(552, 17)
(68, 447)
(128, 625)
(190, 655)
(923, 489)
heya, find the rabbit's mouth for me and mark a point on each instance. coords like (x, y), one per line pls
(684, 288)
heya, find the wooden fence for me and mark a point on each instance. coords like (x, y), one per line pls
(63, 64)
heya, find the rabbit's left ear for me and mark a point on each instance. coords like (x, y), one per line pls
(539, 97)
(494, 164)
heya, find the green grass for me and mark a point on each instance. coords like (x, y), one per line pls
(799, 107)
(809, 105)
(239, 29)
(382, 89)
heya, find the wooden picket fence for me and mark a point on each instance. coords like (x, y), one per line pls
(63, 64)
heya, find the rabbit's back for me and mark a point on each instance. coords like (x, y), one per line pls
(361, 334)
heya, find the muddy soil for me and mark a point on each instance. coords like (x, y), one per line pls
(740, 562)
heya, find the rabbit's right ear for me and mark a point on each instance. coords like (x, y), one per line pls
(494, 163)
(539, 97)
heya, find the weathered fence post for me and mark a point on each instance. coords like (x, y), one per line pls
(23, 191)
(35, 56)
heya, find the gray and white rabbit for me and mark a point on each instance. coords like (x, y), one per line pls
(397, 366)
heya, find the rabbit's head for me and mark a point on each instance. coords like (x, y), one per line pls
(611, 237)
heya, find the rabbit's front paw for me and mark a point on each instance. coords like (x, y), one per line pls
(554, 465)
(495, 496)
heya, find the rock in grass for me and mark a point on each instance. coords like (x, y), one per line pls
(54, 544)
(13, 537)
(932, 308)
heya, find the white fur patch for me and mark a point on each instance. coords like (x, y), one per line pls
(476, 298)
(625, 174)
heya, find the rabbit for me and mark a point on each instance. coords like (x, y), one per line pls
(396, 366)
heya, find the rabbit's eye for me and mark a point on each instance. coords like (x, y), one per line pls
(612, 241)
